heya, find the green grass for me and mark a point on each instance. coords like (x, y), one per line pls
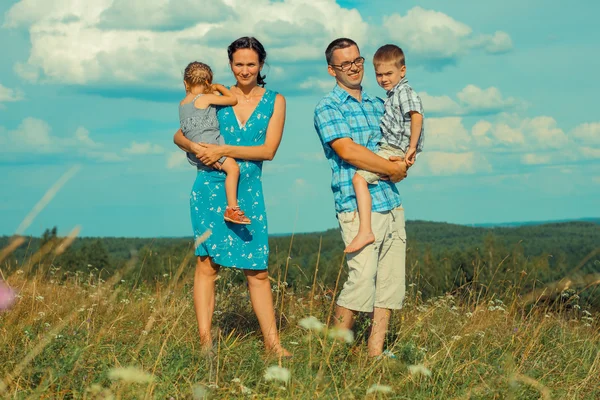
(63, 338)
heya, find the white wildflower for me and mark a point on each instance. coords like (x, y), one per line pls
(419, 369)
(376, 388)
(294, 343)
(343, 334)
(41, 314)
(199, 392)
(245, 390)
(125, 301)
(236, 380)
(469, 315)
(130, 374)
(311, 323)
(456, 337)
(275, 373)
(480, 333)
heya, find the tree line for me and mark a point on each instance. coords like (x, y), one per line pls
(441, 257)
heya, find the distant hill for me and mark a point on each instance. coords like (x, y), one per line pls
(530, 223)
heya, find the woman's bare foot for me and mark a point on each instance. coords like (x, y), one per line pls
(360, 241)
(278, 351)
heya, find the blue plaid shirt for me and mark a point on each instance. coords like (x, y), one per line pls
(339, 115)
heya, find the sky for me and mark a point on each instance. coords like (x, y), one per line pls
(89, 96)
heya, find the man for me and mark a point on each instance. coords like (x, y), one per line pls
(347, 121)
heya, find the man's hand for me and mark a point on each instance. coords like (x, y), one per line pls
(399, 171)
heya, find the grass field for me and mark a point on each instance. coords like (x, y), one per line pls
(81, 337)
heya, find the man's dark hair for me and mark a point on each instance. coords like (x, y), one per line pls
(341, 43)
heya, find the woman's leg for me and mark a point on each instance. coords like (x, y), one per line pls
(204, 298)
(262, 303)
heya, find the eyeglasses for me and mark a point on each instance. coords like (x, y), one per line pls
(346, 65)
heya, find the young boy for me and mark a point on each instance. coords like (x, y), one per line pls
(402, 129)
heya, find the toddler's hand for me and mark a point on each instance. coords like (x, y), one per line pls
(411, 156)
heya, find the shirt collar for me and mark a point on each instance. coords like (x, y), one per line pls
(341, 95)
(402, 82)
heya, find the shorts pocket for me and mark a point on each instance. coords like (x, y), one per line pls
(398, 224)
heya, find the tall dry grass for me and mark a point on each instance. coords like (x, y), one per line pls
(82, 337)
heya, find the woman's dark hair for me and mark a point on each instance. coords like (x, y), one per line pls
(249, 42)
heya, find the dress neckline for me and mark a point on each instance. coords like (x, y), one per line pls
(251, 114)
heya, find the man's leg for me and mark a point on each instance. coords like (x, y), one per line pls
(358, 293)
(344, 317)
(390, 286)
(379, 325)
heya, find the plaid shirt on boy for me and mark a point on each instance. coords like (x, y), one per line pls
(339, 115)
(395, 123)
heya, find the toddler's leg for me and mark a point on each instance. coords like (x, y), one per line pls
(233, 213)
(232, 170)
(365, 234)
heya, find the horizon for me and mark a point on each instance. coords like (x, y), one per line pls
(511, 224)
(510, 133)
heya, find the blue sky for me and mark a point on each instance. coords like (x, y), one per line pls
(509, 90)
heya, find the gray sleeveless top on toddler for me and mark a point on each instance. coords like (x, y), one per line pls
(200, 126)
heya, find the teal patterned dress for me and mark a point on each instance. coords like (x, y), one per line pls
(231, 245)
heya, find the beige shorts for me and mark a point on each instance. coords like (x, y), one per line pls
(376, 274)
(385, 151)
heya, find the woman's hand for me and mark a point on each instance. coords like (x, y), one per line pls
(209, 154)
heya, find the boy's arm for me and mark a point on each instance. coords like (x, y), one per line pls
(416, 123)
(227, 98)
(334, 130)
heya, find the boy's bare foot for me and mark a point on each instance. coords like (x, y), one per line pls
(360, 241)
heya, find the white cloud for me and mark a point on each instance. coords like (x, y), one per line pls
(437, 39)
(34, 137)
(177, 159)
(144, 148)
(587, 133)
(442, 164)
(470, 100)
(10, 95)
(476, 99)
(162, 14)
(320, 85)
(499, 42)
(446, 134)
(439, 104)
(536, 159)
(108, 41)
(149, 42)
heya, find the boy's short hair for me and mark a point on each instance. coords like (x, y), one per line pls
(341, 43)
(389, 53)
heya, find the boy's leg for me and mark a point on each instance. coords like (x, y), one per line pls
(365, 234)
(232, 170)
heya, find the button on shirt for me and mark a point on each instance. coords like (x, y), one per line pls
(395, 124)
(339, 115)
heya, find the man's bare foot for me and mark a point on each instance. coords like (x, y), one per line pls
(360, 241)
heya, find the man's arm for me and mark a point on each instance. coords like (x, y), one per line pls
(363, 158)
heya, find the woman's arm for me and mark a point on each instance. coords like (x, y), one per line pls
(186, 144)
(262, 152)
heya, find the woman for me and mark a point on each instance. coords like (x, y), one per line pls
(252, 131)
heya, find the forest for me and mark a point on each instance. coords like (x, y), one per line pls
(441, 258)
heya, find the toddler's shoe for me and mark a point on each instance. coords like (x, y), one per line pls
(236, 216)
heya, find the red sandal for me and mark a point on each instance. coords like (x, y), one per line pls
(236, 216)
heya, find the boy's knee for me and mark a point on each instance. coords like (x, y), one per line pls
(357, 179)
